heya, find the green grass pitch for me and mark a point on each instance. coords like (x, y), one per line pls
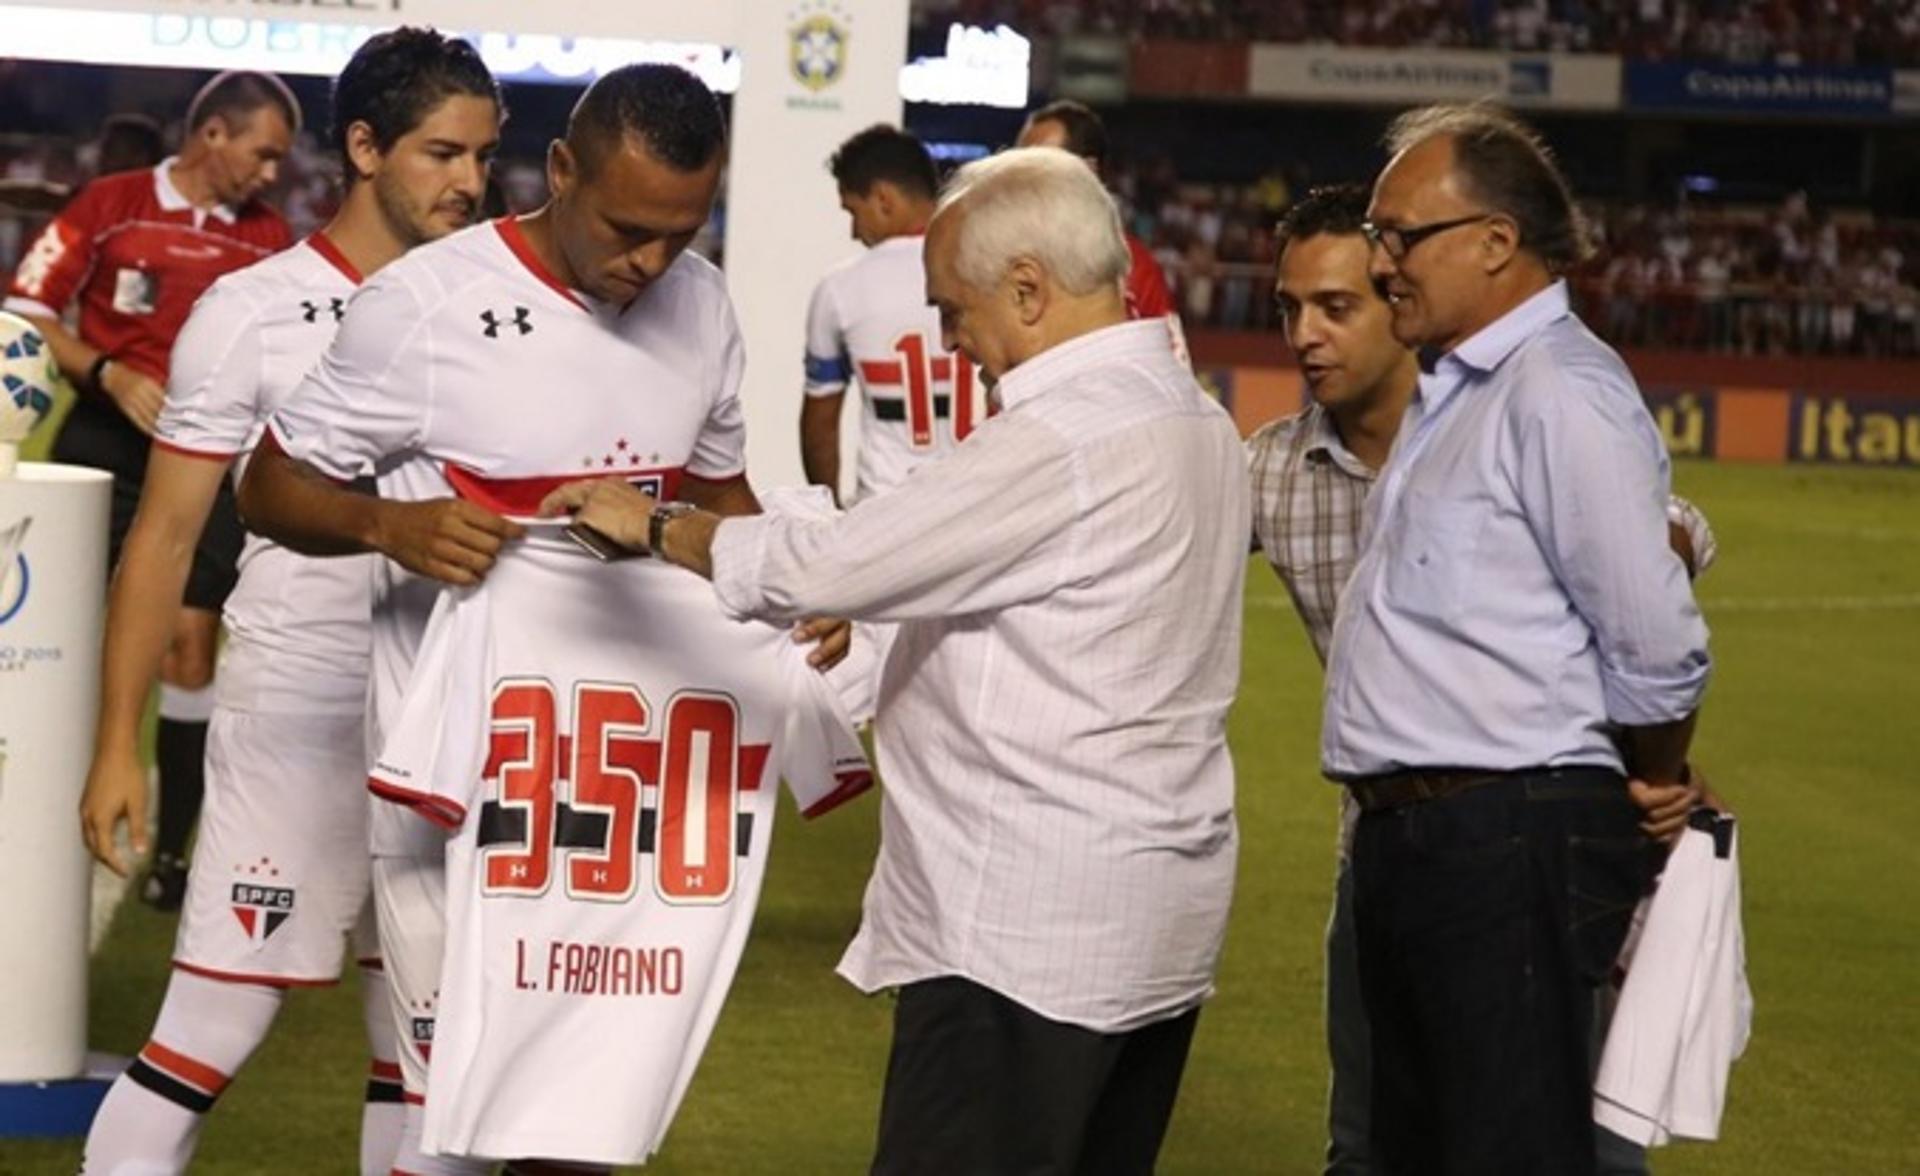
(1810, 731)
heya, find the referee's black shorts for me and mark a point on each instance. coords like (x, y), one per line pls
(98, 434)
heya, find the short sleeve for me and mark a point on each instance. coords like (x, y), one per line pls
(432, 758)
(56, 265)
(371, 396)
(828, 368)
(821, 758)
(720, 451)
(213, 387)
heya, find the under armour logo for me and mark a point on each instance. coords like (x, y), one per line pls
(335, 306)
(519, 320)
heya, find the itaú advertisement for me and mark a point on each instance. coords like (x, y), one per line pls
(1325, 73)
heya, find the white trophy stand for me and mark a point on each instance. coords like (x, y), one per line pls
(53, 555)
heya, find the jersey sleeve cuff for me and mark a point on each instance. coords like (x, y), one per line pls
(193, 452)
(437, 809)
(20, 304)
(849, 783)
(278, 439)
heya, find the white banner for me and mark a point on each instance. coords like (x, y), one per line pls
(816, 73)
(53, 575)
(1324, 73)
(668, 20)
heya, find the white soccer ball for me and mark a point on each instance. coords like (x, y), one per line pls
(27, 377)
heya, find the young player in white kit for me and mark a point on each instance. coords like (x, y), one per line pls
(479, 372)
(280, 877)
(869, 320)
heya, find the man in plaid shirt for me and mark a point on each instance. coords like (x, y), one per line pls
(1311, 475)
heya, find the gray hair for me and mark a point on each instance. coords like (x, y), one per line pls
(1503, 163)
(1041, 203)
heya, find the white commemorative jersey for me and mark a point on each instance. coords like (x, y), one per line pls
(296, 627)
(869, 318)
(606, 745)
(466, 367)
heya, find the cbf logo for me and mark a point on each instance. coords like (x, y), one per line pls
(15, 579)
(817, 45)
(260, 905)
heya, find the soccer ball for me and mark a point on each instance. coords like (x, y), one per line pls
(27, 377)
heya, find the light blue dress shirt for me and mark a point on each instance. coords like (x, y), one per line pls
(1515, 601)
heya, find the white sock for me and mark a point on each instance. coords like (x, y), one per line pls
(411, 1161)
(186, 706)
(383, 1115)
(150, 1120)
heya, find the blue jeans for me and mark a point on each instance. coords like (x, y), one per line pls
(1484, 925)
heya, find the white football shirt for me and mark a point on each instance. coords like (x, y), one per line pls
(869, 319)
(605, 744)
(296, 627)
(466, 367)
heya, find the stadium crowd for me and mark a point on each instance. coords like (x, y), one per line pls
(1737, 32)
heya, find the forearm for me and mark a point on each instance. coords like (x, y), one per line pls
(1658, 753)
(688, 542)
(302, 509)
(142, 603)
(74, 355)
(820, 442)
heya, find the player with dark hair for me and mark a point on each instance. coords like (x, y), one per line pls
(1076, 128)
(869, 319)
(281, 877)
(473, 374)
(135, 249)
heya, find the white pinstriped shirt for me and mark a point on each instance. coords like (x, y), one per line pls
(1058, 818)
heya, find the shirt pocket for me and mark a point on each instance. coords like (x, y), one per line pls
(1432, 570)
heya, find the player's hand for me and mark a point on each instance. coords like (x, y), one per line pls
(116, 792)
(445, 539)
(608, 505)
(138, 395)
(833, 638)
(1664, 807)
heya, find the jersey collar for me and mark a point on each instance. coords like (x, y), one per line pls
(171, 199)
(322, 244)
(516, 242)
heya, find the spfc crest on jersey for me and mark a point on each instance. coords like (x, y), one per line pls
(259, 902)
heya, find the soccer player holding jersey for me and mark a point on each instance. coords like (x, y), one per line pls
(476, 373)
(869, 320)
(280, 877)
(135, 250)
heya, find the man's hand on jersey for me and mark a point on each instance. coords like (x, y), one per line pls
(138, 395)
(116, 792)
(446, 539)
(608, 505)
(834, 638)
(1664, 807)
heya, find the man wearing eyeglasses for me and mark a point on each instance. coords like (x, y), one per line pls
(1515, 666)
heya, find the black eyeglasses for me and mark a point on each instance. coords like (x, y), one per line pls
(1400, 242)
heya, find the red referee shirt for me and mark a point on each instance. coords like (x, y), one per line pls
(137, 255)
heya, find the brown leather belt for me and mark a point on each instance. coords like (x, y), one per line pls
(1398, 789)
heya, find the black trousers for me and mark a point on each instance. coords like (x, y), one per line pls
(1486, 921)
(97, 434)
(979, 1085)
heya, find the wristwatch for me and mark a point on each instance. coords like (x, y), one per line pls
(97, 372)
(663, 513)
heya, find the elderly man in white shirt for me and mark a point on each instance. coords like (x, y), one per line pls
(1058, 839)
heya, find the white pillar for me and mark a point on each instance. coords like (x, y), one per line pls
(53, 566)
(814, 73)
